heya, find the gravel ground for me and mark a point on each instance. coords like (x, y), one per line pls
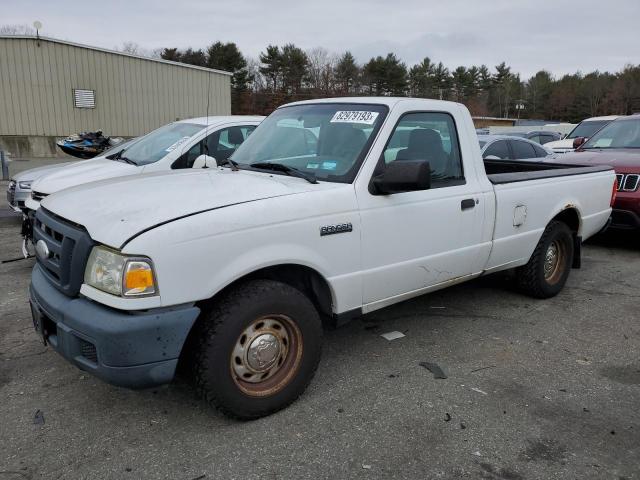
(535, 390)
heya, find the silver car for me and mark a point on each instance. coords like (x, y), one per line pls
(504, 147)
(19, 187)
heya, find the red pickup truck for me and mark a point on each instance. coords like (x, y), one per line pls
(617, 145)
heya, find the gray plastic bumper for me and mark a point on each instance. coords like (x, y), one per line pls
(129, 349)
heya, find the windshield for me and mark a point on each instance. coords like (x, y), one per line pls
(327, 140)
(116, 148)
(618, 134)
(587, 128)
(157, 144)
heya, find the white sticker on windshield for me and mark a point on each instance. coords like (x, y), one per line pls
(354, 116)
(175, 145)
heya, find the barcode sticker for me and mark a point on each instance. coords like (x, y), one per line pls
(354, 116)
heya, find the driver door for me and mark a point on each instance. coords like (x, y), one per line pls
(413, 241)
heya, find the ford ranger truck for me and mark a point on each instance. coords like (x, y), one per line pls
(331, 209)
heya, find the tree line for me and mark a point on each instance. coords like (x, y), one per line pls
(285, 73)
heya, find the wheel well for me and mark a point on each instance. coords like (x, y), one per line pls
(305, 279)
(570, 217)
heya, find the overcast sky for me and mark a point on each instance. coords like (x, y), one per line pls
(558, 35)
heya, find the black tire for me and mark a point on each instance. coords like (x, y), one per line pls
(532, 278)
(219, 335)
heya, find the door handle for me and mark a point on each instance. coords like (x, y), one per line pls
(467, 203)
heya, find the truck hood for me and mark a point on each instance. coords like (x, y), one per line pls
(113, 211)
(566, 144)
(82, 172)
(34, 174)
(623, 160)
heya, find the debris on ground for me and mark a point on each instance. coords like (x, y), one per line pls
(438, 308)
(477, 453)
(482, 368)
(366, 467)
(462, 426)
(38, 418)
(479, 391)
(447, 417)
(435, 369)
(392, 335)
(583, 361)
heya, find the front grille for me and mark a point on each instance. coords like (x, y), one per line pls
(38, 196)
(11, 193)
(67, 248)
(630, 183)
(88, 351)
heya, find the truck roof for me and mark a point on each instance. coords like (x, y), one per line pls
(388, 101)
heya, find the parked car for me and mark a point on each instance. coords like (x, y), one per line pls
(19, 189)
(231, 269)
(196, 142)
(585, 128)
(539, 136)
(616, 145)
(506, 147)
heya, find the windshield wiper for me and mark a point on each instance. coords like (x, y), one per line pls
(279, 167)
(118, 156)
(233, 163)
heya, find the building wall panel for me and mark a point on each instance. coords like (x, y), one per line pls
(133, 95)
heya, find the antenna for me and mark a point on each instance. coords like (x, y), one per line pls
(37, 25)
(206, 128)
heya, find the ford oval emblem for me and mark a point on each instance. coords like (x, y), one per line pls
(42, 250)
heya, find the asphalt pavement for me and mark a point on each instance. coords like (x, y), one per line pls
(535, 389)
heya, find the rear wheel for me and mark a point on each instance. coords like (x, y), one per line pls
(548, 269)
(257, 349)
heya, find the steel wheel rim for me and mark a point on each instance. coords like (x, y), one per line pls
(266, 355)
(553, 262)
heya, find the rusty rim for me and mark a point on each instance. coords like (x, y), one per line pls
(554, 261)
(266, 356)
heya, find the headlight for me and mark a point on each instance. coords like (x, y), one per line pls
(112, 272)
(25, 185)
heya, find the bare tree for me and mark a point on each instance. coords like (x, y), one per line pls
(258, 83)
(321, 70)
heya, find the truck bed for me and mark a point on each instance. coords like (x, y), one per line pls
(510, 171)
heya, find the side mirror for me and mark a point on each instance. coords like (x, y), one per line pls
(403, 176)
(578, 141)
(492, 157)
(204, 161)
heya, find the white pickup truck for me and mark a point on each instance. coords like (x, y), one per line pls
(331, 209)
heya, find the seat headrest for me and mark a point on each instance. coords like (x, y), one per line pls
(235, 136)
(424, 139)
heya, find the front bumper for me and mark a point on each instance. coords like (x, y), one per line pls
(17, 198)
(128, 349)
(626, 211)
(624, 219)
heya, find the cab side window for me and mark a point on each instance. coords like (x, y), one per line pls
(220, 145)
(432, 137)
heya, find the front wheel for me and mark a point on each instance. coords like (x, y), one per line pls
(548, 269)
(257, 349)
